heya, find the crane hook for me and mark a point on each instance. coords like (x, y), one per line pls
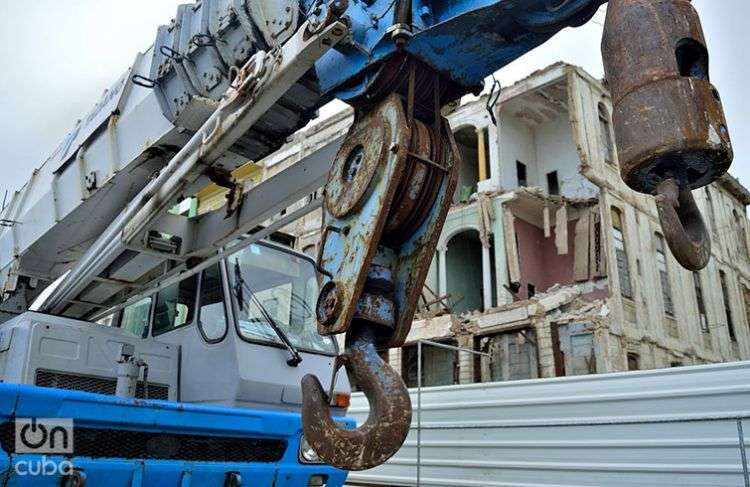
(683, 225)
(390, 408)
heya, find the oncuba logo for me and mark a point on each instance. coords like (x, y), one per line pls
(44, 435)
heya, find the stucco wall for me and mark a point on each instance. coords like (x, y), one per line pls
(556, 151)
(517, 144)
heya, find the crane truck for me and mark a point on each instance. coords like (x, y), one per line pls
(176, 349)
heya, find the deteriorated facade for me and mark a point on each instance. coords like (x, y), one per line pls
(548, 263)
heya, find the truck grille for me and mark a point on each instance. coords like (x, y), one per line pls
(110, 443)
(99, 385)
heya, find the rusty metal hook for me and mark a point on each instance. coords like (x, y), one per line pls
(390, 408)
(683, 225)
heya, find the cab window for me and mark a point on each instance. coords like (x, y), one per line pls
(212, 316)
(269, 283)
(135, 317)
(175, 306)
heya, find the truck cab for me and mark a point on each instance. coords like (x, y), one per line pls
(233, 340)
(222, 321)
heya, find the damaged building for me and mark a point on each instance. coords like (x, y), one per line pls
(548, 262)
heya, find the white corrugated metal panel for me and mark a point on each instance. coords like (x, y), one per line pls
(672, 427)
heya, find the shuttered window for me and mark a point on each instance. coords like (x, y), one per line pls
(739, 227)
(661, 266)
(727, 305)
(700, 302)
(621, 253)
(605, 135)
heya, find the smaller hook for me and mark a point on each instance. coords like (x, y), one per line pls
(683, 225)
(385, 430)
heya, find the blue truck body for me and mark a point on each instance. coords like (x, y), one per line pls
(113, 416)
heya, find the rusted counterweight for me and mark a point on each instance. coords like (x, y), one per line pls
(668, 119)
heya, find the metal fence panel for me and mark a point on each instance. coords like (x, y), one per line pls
(672, 427)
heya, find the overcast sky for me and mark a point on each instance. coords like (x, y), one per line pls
(58, 56)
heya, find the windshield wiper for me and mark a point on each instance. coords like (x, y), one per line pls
(240, 284)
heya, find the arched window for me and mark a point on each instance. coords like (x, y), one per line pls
(605, 135)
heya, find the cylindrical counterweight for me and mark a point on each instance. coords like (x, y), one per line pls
(670, 128)
(668, 118)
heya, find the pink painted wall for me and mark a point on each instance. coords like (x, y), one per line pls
(540, 264)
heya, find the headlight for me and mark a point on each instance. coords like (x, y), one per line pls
(306, 452)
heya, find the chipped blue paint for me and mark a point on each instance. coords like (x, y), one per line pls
(467, 40)
(100, 411)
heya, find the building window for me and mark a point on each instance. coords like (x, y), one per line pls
(553, 185)
(439, 365)
(311, 251)
(468, 142)
(598, 247)
(605, 135)
(530, 290)
(513, 356)
(521, 174)
(700, 302)
(712, 214)
(727, 305)
(739, 227)
(633, 361)
(746, 299)
(661, 266)
(283, 239)
(621, 253)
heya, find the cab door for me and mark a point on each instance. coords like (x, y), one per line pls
(194, 314)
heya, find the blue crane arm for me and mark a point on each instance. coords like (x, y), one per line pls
(465, 40)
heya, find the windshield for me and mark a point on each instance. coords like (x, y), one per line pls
(281, 286)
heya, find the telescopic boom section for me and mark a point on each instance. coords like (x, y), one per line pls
(258, 85)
